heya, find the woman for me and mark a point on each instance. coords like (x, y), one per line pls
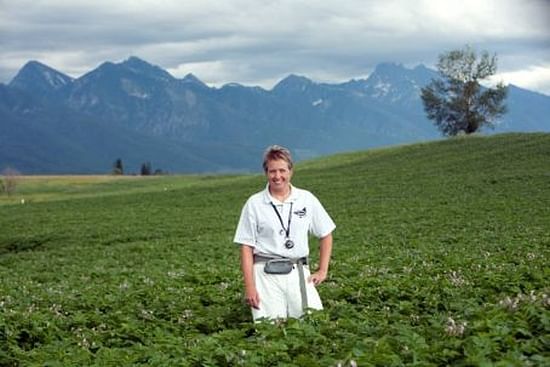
(273, 233)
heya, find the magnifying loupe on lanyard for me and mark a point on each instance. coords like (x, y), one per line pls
(288, 242)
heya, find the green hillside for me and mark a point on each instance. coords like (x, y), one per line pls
(441, 257)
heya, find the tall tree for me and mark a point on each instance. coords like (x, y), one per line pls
(146, 169)
(8, 180)
(118, 169)
(457, 102)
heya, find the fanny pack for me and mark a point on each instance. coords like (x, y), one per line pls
(278, 266)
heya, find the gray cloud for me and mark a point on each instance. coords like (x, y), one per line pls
(257, 42)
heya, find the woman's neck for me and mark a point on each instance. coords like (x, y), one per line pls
(281, 194)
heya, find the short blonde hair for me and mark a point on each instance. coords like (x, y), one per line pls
(277, 152)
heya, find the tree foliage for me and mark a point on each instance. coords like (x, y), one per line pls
(457, 102)
(118, 168)
(8, 180)
(146, 169)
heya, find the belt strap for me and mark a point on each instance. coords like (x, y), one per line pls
(258, 258)
(300, 262)
(303, 291)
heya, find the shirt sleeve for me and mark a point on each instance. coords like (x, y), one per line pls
(246, 229)
(321, 223)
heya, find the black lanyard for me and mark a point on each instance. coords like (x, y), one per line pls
(287, 229)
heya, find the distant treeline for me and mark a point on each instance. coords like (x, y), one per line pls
(146, 169)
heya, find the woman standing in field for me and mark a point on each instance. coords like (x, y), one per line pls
(273, 233)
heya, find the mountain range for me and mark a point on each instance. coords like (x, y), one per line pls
(51, 123)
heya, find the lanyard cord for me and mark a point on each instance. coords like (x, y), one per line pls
(287, 229)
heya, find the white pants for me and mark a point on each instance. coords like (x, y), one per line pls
(280, 295)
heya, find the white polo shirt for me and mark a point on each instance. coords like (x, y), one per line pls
(260, 227)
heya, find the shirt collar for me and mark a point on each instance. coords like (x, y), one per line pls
(270, 199)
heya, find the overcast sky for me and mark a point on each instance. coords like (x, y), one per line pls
(259, 42)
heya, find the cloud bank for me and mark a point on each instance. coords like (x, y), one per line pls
(259, 42)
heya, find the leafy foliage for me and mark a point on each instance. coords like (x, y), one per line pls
(458, 103)
(436, 262)
(8, 181)
(146, 169)
(118, 168)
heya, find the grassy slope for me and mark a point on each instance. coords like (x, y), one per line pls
(144, 271)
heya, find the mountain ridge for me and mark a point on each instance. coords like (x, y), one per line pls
(197, 128)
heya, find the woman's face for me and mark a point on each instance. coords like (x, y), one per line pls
(278, 174)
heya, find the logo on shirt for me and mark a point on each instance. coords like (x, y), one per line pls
(301, 213)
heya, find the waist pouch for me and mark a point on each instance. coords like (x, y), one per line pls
(278, 266)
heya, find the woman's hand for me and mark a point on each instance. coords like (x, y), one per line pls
(317, 277)
(253, 298)
(325, 249)
(247, 265)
